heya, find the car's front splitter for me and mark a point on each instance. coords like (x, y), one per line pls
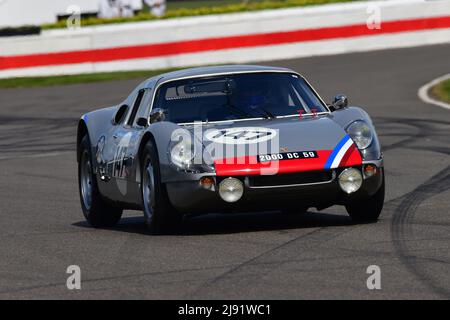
(191, 197)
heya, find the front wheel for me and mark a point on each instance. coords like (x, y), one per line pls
(96, 210)
(368, 210)
(159, 214)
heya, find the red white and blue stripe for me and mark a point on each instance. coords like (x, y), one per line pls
(339, 153)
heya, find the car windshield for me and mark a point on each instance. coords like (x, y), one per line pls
(237, 96)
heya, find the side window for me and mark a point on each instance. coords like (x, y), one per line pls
(144, 109)
(120, 114)
(136, 105)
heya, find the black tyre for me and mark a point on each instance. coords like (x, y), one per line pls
(159, 214)
(368, 210)
(96, 210)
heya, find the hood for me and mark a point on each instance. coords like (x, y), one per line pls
(277, 145)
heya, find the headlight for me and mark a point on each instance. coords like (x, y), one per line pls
(360, 133)
(231, 189)
(350, 180)
(182, 153)
(187, 153)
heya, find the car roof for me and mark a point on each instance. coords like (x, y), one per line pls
(200, 71)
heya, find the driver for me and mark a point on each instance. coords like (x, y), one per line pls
(252, 97)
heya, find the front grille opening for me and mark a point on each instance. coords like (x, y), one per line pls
(287, 179)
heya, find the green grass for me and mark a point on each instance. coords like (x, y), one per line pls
(172, 5)
(202, 8)
(441, 91)
(75, 79)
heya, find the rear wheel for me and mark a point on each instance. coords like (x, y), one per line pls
(368, 210)
(159, 214)
(96, 210)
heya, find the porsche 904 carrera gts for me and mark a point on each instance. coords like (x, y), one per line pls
(227, 139)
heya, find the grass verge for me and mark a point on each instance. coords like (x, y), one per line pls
(76, 79)
(441, 91)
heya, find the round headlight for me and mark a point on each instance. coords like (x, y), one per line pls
(360, 133)
(182, 154)
(231, 189)
(350, 180)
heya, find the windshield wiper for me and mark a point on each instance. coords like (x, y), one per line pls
(266, 113)
(238, 112)
(233, 109)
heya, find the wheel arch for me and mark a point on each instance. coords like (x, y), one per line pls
(160, 134)
(148, 136)
(82, 131)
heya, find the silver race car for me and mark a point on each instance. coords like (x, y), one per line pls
(227, 139)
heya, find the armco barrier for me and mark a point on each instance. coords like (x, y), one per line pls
(231, 38)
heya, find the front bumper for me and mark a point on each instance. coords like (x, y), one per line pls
(190, 197)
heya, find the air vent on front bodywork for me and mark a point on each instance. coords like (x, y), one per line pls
(289, 179)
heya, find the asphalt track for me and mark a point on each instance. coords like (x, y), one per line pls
(251, 256)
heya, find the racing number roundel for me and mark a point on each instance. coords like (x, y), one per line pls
(243, 135)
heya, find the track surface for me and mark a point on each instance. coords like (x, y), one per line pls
(267, 255)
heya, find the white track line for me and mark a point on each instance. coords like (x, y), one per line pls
(425, 97)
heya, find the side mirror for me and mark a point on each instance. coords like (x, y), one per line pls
(120, 114)
(142, 122)
(157, 115)
(340, 101)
